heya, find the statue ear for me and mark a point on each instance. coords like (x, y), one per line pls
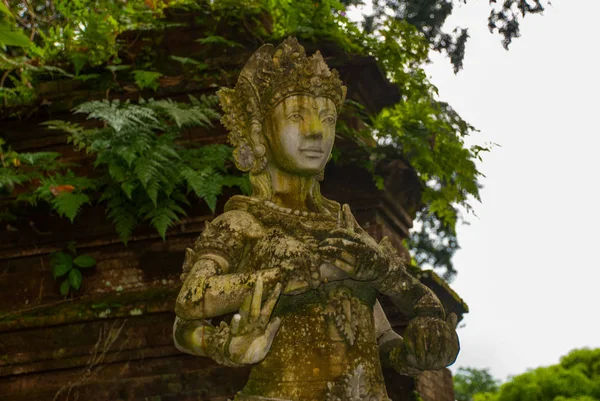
(257, 138)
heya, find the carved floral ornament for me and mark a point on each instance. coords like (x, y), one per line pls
(270, 75)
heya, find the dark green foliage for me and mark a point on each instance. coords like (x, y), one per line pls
(145, 173)
(41, 178)
(146, 79)
(575, 378)
(68, 265)
(470, 381)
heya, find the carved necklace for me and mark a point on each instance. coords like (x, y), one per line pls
(288, 210)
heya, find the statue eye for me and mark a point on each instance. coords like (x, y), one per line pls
(296, 117)
(329, 120)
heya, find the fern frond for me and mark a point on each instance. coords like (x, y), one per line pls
(242, 182)
(79, 136)
(69, 204)
(146, 79)
(146, 169)
(10, 177)
(183, 115)
(122, 213)
(118, 116)
(152, 191)
(206, 184)
(163, 216)
(38, 157)
(186, 60)
(209, 155)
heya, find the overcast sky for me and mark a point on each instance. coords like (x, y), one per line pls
(529, 266)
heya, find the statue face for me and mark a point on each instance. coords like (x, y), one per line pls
(299, 133)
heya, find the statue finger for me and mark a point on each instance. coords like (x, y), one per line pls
(267, 309)
(344, 233)
(339, 253)
(256, 300)
(343, 266)
(245, 310)
(349, 220)
(342, 242)
(271, 330)
(234, 327)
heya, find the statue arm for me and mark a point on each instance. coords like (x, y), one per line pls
(206, 293)
(248, 338)
(388, 341)
(211, 285)
(408, 294)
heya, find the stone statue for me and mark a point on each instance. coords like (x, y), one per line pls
(297, 272)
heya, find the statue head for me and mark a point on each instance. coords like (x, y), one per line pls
(282, 111)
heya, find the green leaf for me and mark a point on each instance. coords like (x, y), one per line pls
(128, 188)
(61, 263)
(64, 287)
(122, 213)
(84, 261)
(186, 60)
(146, 79)
(75, 278)
(11, 37)
(214, 39)
(69, 204)
(86, 77)
(6, 11)
(115, 68)
(79, 60)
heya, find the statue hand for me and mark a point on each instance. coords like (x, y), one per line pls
(430, 343)
(356, 254)
(252, 330)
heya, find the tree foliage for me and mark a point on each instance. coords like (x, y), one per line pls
(470, 381)
(429, 16)
(41, 40)
(575, 378)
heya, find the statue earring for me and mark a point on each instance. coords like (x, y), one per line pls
(259, 150)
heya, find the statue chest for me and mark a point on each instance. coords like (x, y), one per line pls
(326, 336)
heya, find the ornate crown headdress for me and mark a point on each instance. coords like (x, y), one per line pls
(270, 75)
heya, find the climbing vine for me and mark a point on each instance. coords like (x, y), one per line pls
(144, 172)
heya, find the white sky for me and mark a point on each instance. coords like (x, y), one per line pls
(528, 266)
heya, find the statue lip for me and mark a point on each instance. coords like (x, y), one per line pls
(312, 149)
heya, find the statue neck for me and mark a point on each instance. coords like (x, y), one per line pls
(289, 190)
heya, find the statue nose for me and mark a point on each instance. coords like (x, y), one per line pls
(315, 130)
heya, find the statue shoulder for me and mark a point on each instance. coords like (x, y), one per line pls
(238, 223)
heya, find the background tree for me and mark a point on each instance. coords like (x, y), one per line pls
(575, 378)
(429, 16)
(470, 381)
